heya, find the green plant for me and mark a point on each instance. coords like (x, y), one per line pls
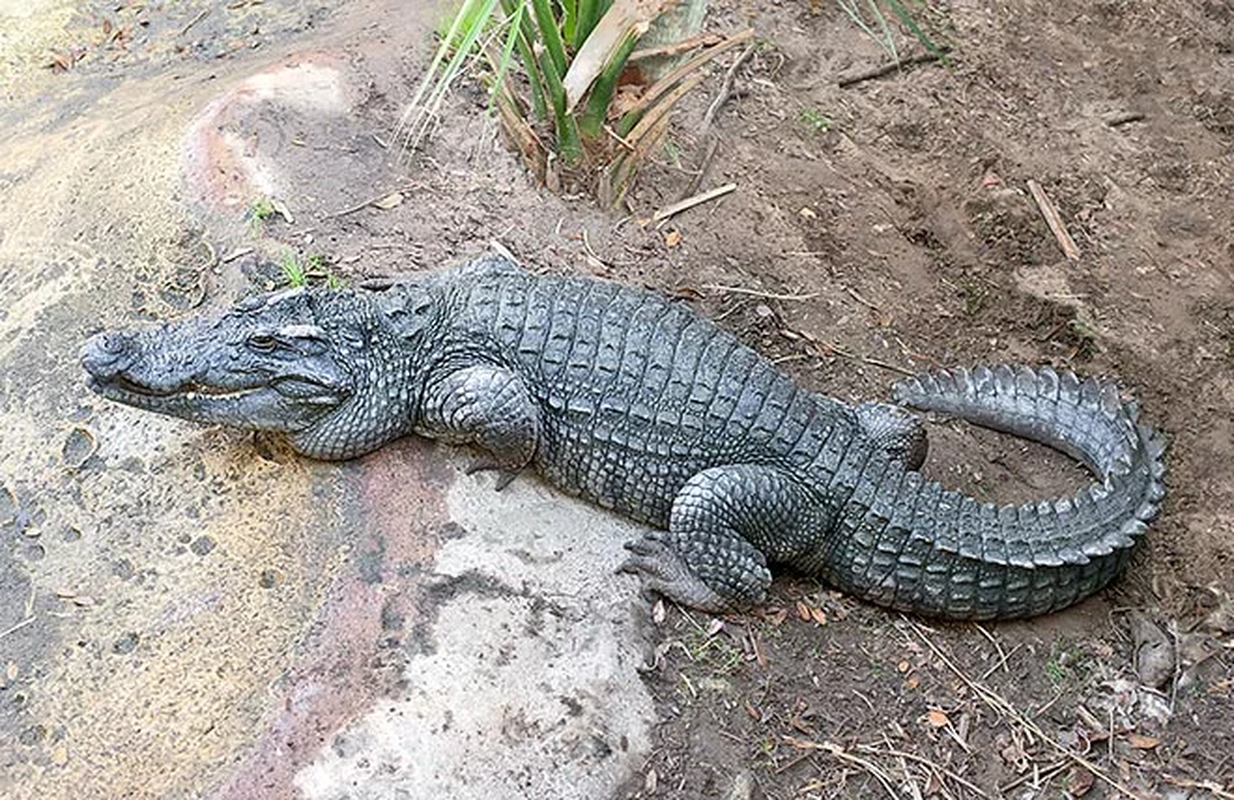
(312, 270)
(566, 83)
(869, 16)
(259, 211)
(816, 121)
(293, 271)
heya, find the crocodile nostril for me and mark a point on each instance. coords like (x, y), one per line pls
(106, 353)
(113, 342)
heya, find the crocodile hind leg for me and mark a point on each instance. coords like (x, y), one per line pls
(489, 408)
(895, 430)
(726, 525)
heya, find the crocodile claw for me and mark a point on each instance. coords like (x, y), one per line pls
(504, 475)
(662, 571)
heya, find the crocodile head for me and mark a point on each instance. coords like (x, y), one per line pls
(299, 362)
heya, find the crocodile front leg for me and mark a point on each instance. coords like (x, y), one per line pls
(489, 408)
(726, 525)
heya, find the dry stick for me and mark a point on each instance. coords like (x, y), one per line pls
(1002, 706)
(691, 202)
(1055, 221)
(726, 91)
(17, 627)
(367, 203)
(874, 362)
(1122, 118)
(891, 751)
(1036, 776)
(685, 45)
(726, 88)
(755, 293)
(1210, 786)
(990, 638)
(200, 16)
(862, 300)
(845, 756)
(886, 69)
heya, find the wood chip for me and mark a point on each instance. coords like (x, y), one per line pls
(389, 201)
(1055, 221)
(691, 202)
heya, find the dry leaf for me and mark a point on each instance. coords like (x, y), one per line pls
(803, 611)
(1141, 742)
(10, 671)
(912, 681)
(624, 19)
(283, 210)
(672, 238)
(389, 201)
(936, 718)
(818, 615)
(1081, 782)
(754, 712)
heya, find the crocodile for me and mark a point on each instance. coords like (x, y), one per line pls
(641, 405)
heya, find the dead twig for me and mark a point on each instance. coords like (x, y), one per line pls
(726, 88)
(840, 753)
(862, 300)
(1210, 786)
(705, 132)
(1123, 117)
(1036, 776)
(200, 16)
(755, 293)
(361, 206)
(1001, 706)
(851, 78)
(15, 628)
(921, 759)
(874, 362)
(1054, 220)
(1002, 657)
(675, 48)
(690, 202)
(704, 166)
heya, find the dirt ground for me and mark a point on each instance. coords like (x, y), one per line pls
(881, 227)
(897, 211)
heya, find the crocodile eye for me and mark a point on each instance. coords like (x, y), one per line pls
(262, 341)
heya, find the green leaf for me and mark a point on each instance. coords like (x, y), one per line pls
(517, 10)
(569, 144)
(554, 47)
(911, 24)
(601, 95)
(590, 12)
(623, 19)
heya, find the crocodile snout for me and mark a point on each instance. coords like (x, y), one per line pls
(108, 354)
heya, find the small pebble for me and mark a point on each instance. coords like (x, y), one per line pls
(125, 644)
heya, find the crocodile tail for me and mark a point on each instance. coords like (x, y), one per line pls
(910, 544)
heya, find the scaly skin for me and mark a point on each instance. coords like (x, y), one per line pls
(642, 406)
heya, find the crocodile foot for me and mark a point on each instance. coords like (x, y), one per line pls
(663, 571)
(504, 474)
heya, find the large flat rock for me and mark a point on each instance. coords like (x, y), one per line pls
(189, 611)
